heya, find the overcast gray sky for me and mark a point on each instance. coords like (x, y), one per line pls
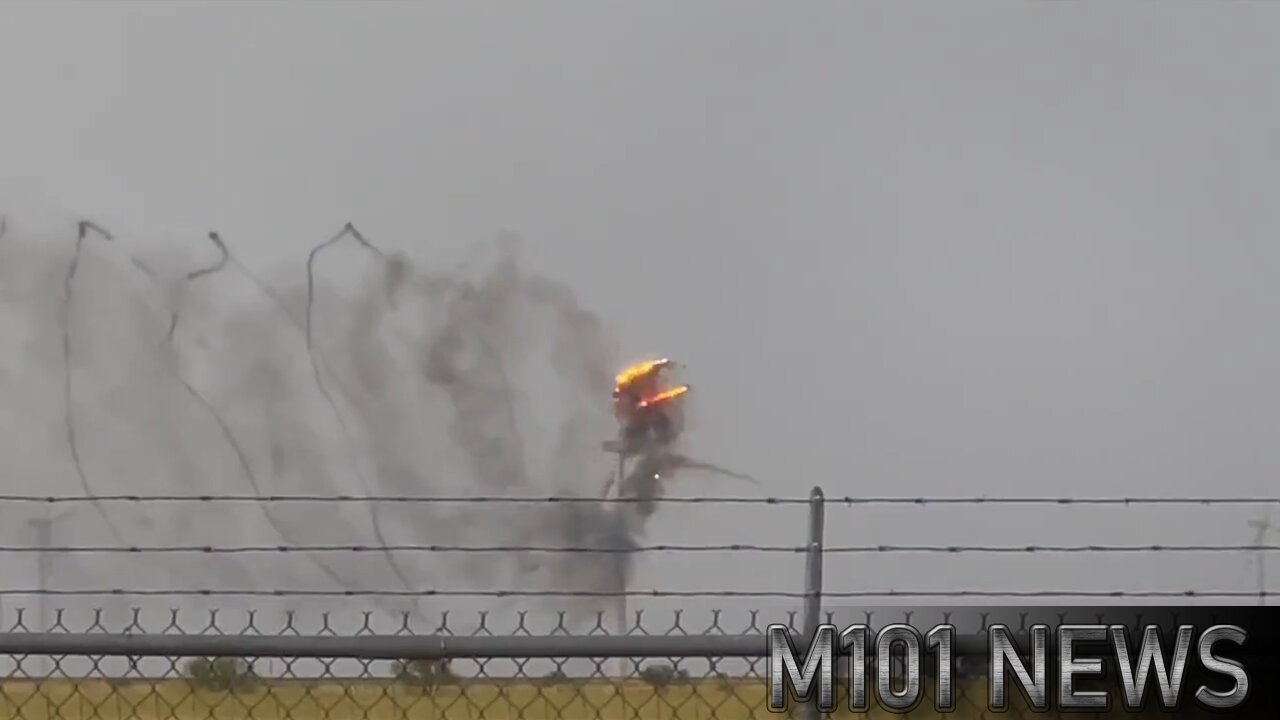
(903, 249)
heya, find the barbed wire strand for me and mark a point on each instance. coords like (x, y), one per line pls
(729, 500)
(727, 547)
(835, 594)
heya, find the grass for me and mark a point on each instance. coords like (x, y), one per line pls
(363, 699)
(375, 700)
(383, 700)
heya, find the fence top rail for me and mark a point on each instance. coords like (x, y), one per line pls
(513, 593)
(605, 550)
(430, 647)
(762, 500)
(420, 647)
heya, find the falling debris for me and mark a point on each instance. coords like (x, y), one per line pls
(681, 461)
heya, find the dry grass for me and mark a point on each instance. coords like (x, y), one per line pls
(385, 700)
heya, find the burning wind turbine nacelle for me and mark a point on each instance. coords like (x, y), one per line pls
(650, 420)
(647, 406)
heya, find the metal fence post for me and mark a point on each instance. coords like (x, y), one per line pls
(813, 581)
(43, 529)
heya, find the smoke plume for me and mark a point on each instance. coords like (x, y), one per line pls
(136, 369)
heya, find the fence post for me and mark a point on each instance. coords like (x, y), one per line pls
(43, 529)
(813, 581)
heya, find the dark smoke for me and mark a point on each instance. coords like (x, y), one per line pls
(204, 377)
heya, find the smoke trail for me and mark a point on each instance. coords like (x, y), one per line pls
(282, 305)
(318, 364)
(224, 427)
(205, 404)
(68, 390)
(496, 378)
(479, 391)
(324, 376)
(348, 230)
(483, 326)
(223, 256)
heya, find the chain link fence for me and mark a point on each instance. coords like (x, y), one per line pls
(312, 668)
(77, 661)
(218, 666)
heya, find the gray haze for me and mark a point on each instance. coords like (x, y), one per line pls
(1004, 248)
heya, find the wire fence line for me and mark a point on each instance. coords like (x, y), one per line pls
(526, 664)
(669, 500)
(1064, 594)
(661, 548)
(815, 548)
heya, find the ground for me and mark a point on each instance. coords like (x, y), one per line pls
(711, 699)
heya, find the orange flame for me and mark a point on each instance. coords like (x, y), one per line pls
(632, 372)
(665, 395)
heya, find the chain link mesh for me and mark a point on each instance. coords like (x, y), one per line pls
(116, 687)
